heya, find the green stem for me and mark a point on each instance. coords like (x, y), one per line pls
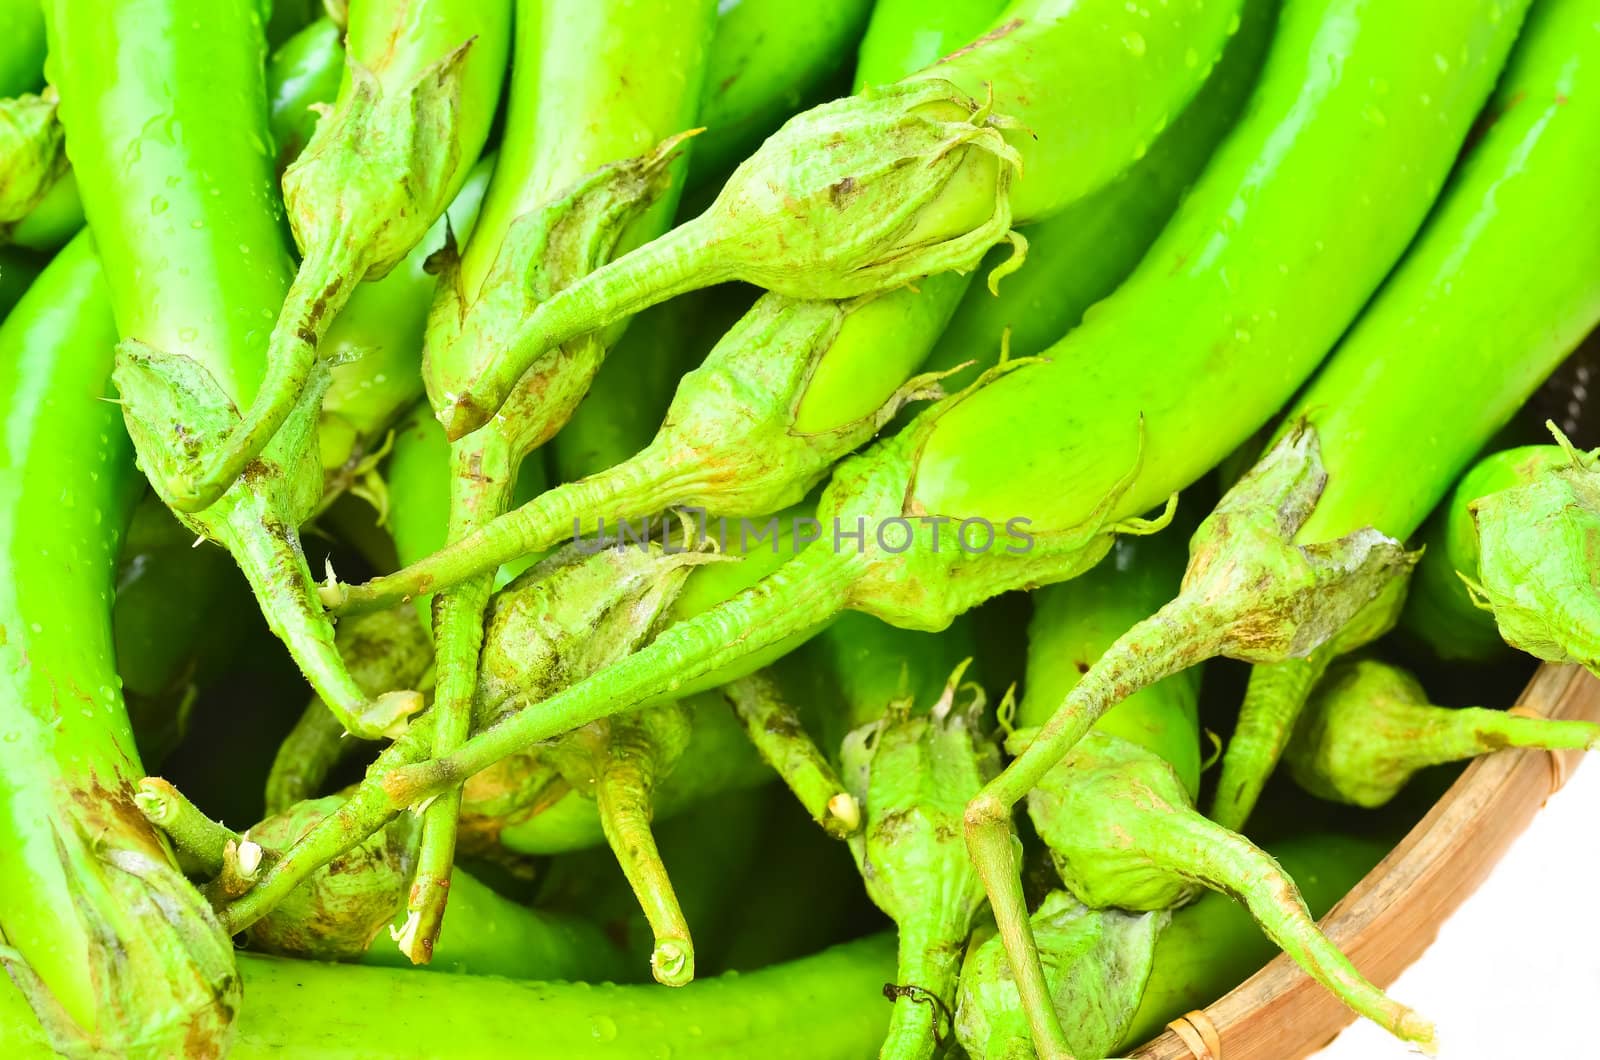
(268, 552)
(682, 260)
(1273, 700)
(924, 994)
(1197, 848)
(785, 746)
(1467, 732)
(483, 474)
(195, 835)
(625, 778)
(324, 283)
(1180, 635)
(799, 596)
(644, 485)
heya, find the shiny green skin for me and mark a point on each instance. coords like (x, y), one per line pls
(191, 272)
(1502, 283)
(22, 58)
(1129, 73)
(769, 59)
(826, 1007)
(1075, 622)
(579, 59)
(889, 201)
(1439, 611)
(1293, 224)
(1213, 945)
(67, 764)
(306, 69)
(905, 36)
(1080, 255)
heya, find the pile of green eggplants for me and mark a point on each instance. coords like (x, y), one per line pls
(625, 506)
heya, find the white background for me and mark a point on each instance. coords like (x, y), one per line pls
(1516, 971)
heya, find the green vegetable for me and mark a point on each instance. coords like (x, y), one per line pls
(303, 74)
(419, 91)
(1440, 610)
(904, 36)
(862, 195)
(778, 402)
(22, 59)
(560, 202)
(1081, 254)
(1369, 727)
(560, 621)
(1051, 452)
(31, 155)
(912, 773)
(346, 907)
(1096, 962)
(1213, 944)
(1500, 286)
(305, 71)
(193, 276)
(114, 950)
(768, 60)
(826, 1007)
(1536, 568)
(1120, 821)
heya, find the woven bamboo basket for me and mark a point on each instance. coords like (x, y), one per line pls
(1391, 916)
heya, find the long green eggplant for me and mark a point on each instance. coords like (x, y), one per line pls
(826, 1007)
(1045, 460)
(1477, 310)
(116, 952)
(187, 226)
(420, 87)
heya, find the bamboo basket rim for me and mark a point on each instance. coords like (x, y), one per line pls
(1389, 918)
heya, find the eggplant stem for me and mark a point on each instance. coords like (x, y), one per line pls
(326, 279)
